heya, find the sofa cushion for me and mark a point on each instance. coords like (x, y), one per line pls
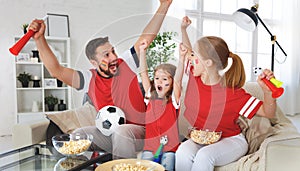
(70, 120)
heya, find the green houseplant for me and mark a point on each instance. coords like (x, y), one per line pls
(24, 26)
(51, 101)
(161, 50)
(24, 78)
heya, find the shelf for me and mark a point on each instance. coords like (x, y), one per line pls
(57, 88)
(30, 88)
(28, 63)
(27, 96)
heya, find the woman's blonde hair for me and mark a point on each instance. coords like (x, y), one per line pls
(216, 49)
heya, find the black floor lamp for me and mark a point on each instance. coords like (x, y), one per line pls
(248, 20)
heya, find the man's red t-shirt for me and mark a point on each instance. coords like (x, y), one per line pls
(121, 90)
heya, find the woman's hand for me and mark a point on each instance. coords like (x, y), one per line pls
(266, 74)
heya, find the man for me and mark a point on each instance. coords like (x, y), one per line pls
(111, 82)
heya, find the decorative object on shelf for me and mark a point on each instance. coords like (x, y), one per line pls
(51, 101)
(50, 83)
(35, 54)
(248, 20)
(62, 106)
(34, 60)
(23, 57)
(35, 106)
(59, 83)
(58, 25)
(36, 81)
(24, 27)
(24, 78)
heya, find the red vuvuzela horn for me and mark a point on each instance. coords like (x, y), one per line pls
(17, 47)
(276, 92)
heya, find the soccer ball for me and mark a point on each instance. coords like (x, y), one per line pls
(108, 118)
(257, 70)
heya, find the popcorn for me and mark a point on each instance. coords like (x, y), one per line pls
(129, 167)
(70, 163)
(205, 137)
(74, 147)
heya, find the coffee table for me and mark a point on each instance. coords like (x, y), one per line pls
(42, 157)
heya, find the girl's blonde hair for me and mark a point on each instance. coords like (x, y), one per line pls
(216, 49)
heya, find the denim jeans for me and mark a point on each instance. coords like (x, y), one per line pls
(167, 159)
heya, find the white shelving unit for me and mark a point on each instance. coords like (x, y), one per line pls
(27, 96)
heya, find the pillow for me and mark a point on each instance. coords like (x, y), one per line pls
(70, 120)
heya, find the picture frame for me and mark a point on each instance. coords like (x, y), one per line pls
(23, 57)
(50, 83)
(58, 25)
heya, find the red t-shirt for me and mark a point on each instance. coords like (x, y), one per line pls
(121, 90)
(161, 120)
(217, 108)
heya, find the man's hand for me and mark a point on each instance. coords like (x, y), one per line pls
(38, 26)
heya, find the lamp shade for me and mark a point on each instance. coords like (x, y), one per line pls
(245, 19)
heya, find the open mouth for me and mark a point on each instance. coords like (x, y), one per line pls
(192, 69)
(113, 65)
(159, 88)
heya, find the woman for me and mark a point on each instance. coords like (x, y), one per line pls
(214, 100)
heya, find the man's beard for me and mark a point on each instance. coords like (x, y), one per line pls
(107, 72)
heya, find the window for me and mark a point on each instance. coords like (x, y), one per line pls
(214, 17)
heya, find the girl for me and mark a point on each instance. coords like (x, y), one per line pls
(162, 99)
(214, 100)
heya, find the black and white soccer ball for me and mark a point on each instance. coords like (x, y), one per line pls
(108, 118)
(257, 70)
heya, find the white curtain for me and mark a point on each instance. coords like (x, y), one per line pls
(289, 71)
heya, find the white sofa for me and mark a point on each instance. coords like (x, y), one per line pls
(274, 145)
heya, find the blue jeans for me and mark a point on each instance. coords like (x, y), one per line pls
(167, 159)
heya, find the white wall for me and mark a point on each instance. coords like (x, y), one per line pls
(88, 18)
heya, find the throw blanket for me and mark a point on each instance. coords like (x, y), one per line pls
(260, 132)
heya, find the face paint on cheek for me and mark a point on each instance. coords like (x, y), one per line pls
(195, 61)
(104, 64)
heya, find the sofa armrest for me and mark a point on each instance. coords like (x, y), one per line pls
(283, 155)
(24, 134)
